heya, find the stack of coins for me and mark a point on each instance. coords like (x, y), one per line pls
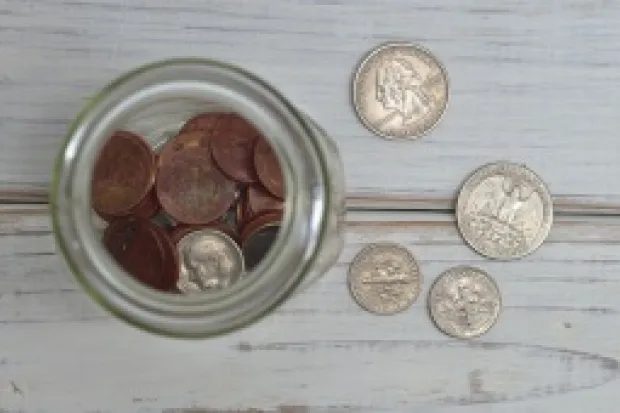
(198, 214)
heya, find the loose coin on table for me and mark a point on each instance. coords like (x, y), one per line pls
(191, 189)
(464, 302)
(123, 175)
(209, 259)
(268, 168)
(384, 278)
(400, 91)
(504, 211)
(141, 248)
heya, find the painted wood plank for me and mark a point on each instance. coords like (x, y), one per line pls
(555, 347)
(532, 81)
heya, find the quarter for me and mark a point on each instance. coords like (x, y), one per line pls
(504, 211)
(400, 91)
(464, 302)
(384, 278)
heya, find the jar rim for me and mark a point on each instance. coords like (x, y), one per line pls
(293, 138)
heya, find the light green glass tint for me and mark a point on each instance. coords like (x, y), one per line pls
(154, 101)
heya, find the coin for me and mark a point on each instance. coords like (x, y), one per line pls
(384, 278)
(205, 122)
(257, 222)
(183, 141)
(124, 172)
(182, 230)
(255, 201)
(268, 168)
(148, 207)
(504, 211)
(258, 243)
(191, 189)
(208, 259)
(400, 91)
(464, 302)
(138, 247)
(232, 147)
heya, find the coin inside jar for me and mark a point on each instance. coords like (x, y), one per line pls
(205, 122)
(183, 141)
(124, 172)
(258, 237)
(140, 249)
(232, 147)
(191, 189)
(208, 259)
(268, 168)
(182, 230)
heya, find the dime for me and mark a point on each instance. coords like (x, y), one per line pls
(258, 243)
(191, 189)
(205, 122)
(232, 147)
(400, 90)
(208, 259)
(504, 211)
(384, 278)
(268, 168)
(464, 302)
(123, 175)
(140, 248)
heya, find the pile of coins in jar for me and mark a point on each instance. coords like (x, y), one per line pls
(197, 215)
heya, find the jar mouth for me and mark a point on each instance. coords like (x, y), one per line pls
(210, 85)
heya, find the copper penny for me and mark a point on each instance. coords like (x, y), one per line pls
(206, 122)
(258, 244)
(260, 221)
(138, 247)
(268, 168)
(191, 189)
(170, 254)
(260, 201)
(148, 207)
(232, 147)
(123, 175)
(181, 142)
(182, 230)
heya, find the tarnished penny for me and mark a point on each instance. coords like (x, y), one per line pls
(209, 259)
(384, 278)
(182, 230)
(259, 221)
(183, 141)
(205, 122)
(464, 302)
(232, 147)
(504, 211)
(123, 175)
(400, 91)
(268, 168)
(148, 207)
(258, 243)
(260, 201)
(192, 190)
(137, 246)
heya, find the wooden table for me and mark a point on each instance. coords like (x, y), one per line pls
(531, 81)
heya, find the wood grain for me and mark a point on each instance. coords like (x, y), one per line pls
(553, 349)
(531, 81)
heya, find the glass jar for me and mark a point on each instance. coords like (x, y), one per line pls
(154, 101)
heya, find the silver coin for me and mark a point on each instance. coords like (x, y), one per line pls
(384, 278)
(400, 90)
(208, 259)
(464, 302)
(504, 211)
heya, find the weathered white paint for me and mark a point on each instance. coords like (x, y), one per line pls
(554, 349)
(532, 81)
